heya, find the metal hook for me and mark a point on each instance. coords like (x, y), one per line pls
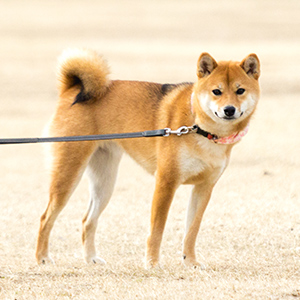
(180, 131)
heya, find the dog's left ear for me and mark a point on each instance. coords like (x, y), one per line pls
(251, 66)
(206, 64)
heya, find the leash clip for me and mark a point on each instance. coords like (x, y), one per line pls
(180, 131)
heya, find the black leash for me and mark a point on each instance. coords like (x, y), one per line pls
(80, 138)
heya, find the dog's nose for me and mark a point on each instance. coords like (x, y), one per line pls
(229, 111)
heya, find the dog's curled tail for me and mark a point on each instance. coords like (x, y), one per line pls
(85, 69)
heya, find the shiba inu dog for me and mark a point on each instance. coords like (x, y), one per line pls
(218, 105)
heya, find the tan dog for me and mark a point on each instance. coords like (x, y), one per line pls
(221, 103)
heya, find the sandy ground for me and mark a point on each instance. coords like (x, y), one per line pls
(250, 237)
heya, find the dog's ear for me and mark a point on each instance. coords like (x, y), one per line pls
(251, 66)
(206, 64)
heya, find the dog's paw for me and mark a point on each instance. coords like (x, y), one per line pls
(96, 260)
(193, 263)
(151, 263)
(46, 260)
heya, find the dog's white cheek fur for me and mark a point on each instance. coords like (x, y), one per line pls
(208, 106)
(248, 105)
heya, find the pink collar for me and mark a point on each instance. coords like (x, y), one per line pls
(233, 138)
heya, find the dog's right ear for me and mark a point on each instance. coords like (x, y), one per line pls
(206, 64)
(251, 66)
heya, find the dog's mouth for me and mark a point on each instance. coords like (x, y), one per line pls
(229, 118)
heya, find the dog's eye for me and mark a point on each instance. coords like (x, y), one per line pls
(217, 92)
(240, 91)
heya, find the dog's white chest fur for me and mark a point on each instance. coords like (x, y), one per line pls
(205, 157)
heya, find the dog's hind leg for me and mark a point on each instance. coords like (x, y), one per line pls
(102, 172)
(69, 162)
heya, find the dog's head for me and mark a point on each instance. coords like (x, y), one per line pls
(226, 92)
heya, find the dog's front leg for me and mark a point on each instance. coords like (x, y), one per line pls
(197, 205)
(162, 199)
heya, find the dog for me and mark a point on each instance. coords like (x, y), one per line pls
(219, 106)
